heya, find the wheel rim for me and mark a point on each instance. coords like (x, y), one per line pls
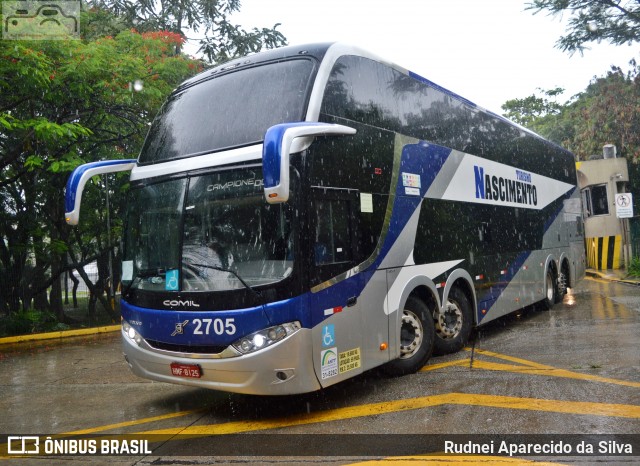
(550, 294)
(411, 334)
(449, 321)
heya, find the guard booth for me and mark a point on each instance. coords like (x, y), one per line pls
(606, 206)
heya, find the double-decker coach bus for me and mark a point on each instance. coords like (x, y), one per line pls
(302, 215)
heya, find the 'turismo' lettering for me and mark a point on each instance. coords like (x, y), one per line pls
(499, 189)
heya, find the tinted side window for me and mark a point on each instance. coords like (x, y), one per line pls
(359, 90)
(372, 93)
(333, 232)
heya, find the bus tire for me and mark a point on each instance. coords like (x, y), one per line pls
(453, 323)
(417, 335)
(563, 282)
(550, 290)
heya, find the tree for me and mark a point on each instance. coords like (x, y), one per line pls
(221, 40)
(616, 21)
(64, 103)
(529, 110)
(607, 112)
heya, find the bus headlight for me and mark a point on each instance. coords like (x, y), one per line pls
(266, 337)
(130, 332)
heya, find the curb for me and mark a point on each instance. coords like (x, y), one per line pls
(58, 335)
(604, 276)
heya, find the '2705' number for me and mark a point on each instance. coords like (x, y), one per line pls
(219, 326)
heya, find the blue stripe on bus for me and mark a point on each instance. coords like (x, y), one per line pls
(160, 325)
(425, 160)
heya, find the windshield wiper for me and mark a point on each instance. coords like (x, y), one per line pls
(255, 292)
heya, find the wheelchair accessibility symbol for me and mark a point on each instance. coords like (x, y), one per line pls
(171, 283)
(328, 335)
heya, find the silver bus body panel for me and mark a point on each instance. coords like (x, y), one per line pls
(253, 374)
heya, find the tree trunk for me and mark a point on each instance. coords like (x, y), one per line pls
(74, 291)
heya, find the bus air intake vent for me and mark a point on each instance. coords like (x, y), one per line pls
(186, 348)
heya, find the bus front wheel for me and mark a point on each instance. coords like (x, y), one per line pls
(417, 334)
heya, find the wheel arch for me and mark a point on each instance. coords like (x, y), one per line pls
(551, 263)
(460, 278)
(422, 287)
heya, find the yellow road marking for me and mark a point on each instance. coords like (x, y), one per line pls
(506, 357)
(551, 372)
(542, 369)
(132, 423)
(451, 460)
(458, 362)
(504, 402)
(525, 367)
(389, 407)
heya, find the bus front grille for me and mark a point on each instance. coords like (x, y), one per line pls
(194, 349)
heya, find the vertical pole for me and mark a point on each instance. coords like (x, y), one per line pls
(111, 292)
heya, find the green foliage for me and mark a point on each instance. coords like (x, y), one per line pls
(64, 103)
(221, 40)
(634, 267)
(593, 20)
(530, 109)
(29, 321)
(67, 102)
(607, 112)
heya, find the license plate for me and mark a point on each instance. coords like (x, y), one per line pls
(186, 370)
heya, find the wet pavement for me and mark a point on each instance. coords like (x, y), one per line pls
(572, 373)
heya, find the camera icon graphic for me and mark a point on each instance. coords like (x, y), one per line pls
(32, 20)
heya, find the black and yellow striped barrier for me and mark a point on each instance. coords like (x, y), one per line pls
(604, 252)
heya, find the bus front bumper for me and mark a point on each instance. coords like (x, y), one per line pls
(281, 369)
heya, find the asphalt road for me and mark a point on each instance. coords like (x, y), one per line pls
(548, 378)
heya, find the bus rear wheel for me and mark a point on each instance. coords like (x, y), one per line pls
(563, 282)
(417, 334)
(550, 289)
(453, 323)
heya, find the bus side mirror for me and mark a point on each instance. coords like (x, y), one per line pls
(80, 176)
(280, 141)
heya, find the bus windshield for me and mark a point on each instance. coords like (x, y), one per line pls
(230, 110)
(213, 232)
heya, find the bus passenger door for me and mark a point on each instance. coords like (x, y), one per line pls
(334, 300)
